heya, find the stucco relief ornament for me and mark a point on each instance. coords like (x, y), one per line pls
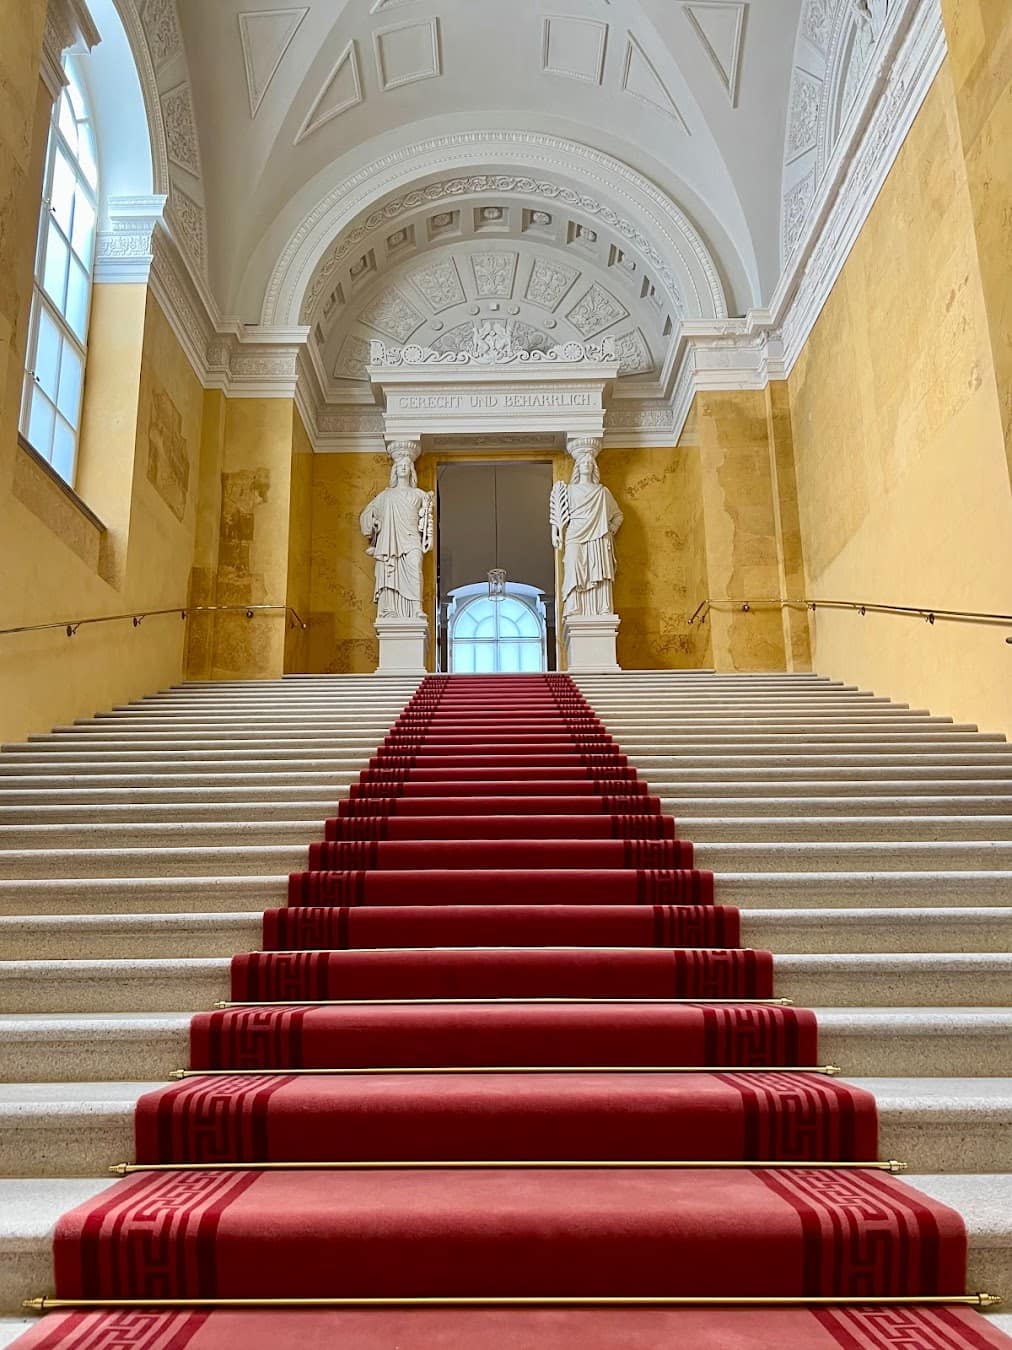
(491, 345)
(398, 523)
(584, 519)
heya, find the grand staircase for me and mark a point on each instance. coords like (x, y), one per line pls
(867, 845)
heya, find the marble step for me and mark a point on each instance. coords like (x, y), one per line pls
(81, 1129)
(698, 741)
(836, 761)
(830, 829)
(891, 979)
(702, 830)
(170, 934)
(31, 784)
(849, 799)
(54, 809)
(867, 891)
(31, 1208)
(871, 1042)
(223, 769)
(722, 858)
(108, 834)
(311, 736)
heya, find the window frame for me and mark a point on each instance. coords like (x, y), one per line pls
(497, 641)
(43, 305)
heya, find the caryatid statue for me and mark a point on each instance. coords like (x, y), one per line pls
(398, 524)
(585, 518)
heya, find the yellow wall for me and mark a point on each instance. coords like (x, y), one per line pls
(979, 34)
(660, 551)
(56, 565)
(901, 472)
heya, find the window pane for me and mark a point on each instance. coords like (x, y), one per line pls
(86, 155)
(64, 443)
(47, 352)
(464, 624)
(486, 627)
(62, 194)
(527, 624)
(531, 659)
(71, 376)
(83, 237)
(67, 120)
(77, 299)
(484, 658)
(54, 275)
(509, 658)
(40, 424)
(463, 658)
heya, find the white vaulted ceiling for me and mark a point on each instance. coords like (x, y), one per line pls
(584, 168)
(289, 99)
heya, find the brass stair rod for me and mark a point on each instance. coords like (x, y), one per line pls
(441, 1002)
(830, 1070)
(978, 1300)
(892, 1165)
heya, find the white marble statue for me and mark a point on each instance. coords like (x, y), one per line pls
(398, 525)
(585, 518)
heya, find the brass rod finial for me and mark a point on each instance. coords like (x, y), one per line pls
(34, 1304)
(178, 1074)
(896, 1166)
(990, 1300)
(120, 1169)
(831, 1070)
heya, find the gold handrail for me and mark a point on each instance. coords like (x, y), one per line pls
(927, 613)
(138, 616)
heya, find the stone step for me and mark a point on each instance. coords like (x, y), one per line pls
(702, 830)
(49, 813)
(980, 799)
(803, 776)
(55, 809)
(698, 740)
(871, 1042)
(898, 760)
(834, 828)
(313, 737)
(722, 858)
(226, 767)
(748, 890)
(168, 934)
(132, 783)
(134, 835)
(81, 1129)
(936, 980)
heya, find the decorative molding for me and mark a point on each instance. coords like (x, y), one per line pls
(341, 90)
(189, 219)
(574, 48)
(492, 345)
(68, 27)
(181, 128)
(724, 49)
(395, 67)
(161, 24)
(647, 217)
(266, 35)
(124, 251)
(641, 80)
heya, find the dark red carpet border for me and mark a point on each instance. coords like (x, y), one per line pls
(497, 855)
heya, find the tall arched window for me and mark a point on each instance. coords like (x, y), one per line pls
(505, 636)
(61, 300)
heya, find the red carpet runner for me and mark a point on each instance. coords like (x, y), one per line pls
(501, 953)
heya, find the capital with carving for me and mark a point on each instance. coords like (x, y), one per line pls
(577, 445)
(408, 449)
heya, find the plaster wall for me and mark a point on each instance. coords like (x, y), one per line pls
(902, 477)
(57, 565)
(979, 34)
(660, 551)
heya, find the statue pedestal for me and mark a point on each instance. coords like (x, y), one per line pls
(402, 644)
(590, 643)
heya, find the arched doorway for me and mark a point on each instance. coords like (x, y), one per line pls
(506, 636)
